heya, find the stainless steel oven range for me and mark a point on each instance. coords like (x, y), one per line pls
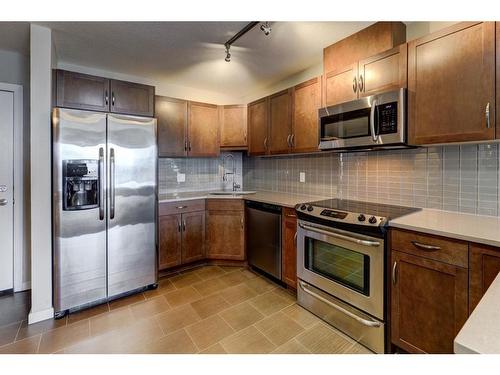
(341, 257)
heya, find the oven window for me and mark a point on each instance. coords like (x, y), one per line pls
(344, 266)
(346, 125)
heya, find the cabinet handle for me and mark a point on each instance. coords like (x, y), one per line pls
(106, 98)
(181, 207)
(178, 226)
(184, 225)
(288, 140)
(112, 98)
(292, 141)
(185, 145)
(290, 215)
(265, 143)
(189, 145)
(245, 137)
(394, 272)
(425, 247)
(354, 84)
(295, 239)
(241, 221)
(487, 114)
(361, 84)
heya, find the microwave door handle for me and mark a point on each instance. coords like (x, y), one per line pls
(372, 120)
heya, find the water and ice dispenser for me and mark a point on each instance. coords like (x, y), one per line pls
(80, 184)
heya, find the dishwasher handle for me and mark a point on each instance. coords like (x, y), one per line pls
(263, 207)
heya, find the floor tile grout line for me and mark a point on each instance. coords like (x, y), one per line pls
(18, 330)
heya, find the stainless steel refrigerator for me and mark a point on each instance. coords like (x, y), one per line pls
(104, 206)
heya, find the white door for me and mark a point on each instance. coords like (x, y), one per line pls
(6, 190)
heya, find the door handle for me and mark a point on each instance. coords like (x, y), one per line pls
(112, 183)
(394, 272)
(183, 225)
(354, 84)
(487, 114)
(372, 120)
(3, 202)
(101, 183)
(361, 83)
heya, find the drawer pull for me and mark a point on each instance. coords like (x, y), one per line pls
(425, 247)
(394, 272)
(181, 207)
(291, 215)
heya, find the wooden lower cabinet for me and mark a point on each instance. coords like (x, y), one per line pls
(289, 248)
(226, 230)
(429, 303)
(484, 267)
(193, 236)
(170, 241)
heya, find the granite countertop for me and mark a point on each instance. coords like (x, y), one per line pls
(479, 334)
(462, 226)
(280, 199)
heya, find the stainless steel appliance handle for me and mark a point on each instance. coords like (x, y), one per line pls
(354, 84)
(366, 322)
(112, 183)
(487, 114)
(331, 233)
(394, 272)
(101, 183)
(423, 246)
(372, 120)
(3, 202)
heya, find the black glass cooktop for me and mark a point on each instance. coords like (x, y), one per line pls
(367, 208)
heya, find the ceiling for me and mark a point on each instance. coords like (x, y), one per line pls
(15, 37)
(191, 54)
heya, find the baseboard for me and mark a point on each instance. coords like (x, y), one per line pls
(24, 286)
(35, 317)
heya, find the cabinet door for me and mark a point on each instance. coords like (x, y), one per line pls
(171, 115)
(280, 113)
(132, 98)
(193, 236)
(226, 234)
(384, 72)
(289, 248)
(258, 120)
(429, 303)
(306, 102)
(484, 267)
(451, 84)
(203, 130)
(169, 234)
(233, 126)
(341, 85)
(82, 91)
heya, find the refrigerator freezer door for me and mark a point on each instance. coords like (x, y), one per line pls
(79, 235)
(132, 203)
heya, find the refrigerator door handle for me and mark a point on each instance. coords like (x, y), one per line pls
(112, 183)
(101, 183)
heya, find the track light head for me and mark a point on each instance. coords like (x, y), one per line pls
(266, 29)
(228, 54)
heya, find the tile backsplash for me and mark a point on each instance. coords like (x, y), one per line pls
(201, 174)
(461, 178)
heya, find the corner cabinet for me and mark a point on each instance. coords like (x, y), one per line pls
(203, 130)
(233, 127)
(83, 91)
(451, 85)
(289, 247)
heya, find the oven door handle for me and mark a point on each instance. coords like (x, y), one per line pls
(365, 322)
(331, 233)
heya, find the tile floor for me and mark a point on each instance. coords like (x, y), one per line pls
(210, 309)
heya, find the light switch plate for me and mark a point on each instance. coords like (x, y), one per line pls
(302, 177)
(181, 177)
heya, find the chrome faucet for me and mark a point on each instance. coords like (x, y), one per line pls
(233, 172)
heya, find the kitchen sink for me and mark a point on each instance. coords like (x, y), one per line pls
(230, 192)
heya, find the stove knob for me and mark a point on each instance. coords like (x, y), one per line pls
(361, 217)
(309, 208)
(303, 207)
(372, 220)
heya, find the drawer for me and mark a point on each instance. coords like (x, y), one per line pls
(428, 246)
(181, 207)
(217, 204)
(289, 212)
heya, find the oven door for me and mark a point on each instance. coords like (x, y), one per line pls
(346, 265)
(373, 121)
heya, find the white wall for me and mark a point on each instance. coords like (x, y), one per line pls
(41, 223)
(15, 69)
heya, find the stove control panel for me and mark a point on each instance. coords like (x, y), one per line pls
(342, 216)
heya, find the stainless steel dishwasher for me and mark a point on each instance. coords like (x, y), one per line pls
(264, 237)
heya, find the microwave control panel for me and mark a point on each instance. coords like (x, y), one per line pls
(387, 118)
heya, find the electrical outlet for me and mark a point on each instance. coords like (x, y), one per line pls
(302, 177)
(181, 177)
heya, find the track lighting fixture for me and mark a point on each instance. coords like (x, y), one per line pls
(266, 29)
(228, 54)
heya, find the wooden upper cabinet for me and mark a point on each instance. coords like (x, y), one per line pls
(82, 91)
(132, 98)
(171, 115)
(341, 85)
(379, 37)
(289, 248)
(169, 234)
(429, 303)
(203, 130)
(306, 103)
(383, 72)
(484, 268)
(193, 236)
(258, 119)
(451, 84)
(280, 124)
(233, 126)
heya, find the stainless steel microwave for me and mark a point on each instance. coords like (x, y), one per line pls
(373, 122)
